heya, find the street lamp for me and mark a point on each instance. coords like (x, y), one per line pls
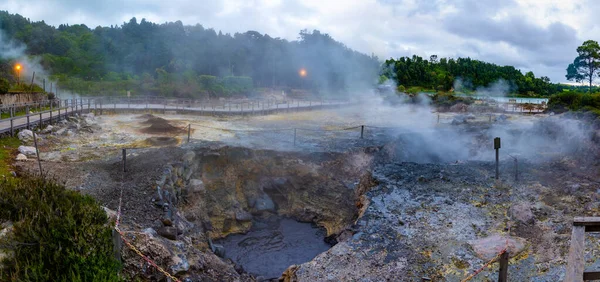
(18, 68)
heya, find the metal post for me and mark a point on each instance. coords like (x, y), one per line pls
(497, 148)
(12, 132)
(362, 130)
(503, 273)
(37, 152)
(28, 121)
(189, 131)
(294, 137)
(438, 118)
(41, 122)
(124, 160)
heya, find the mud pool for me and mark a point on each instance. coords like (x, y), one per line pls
(273, 244)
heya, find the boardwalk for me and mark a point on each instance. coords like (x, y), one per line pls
(161, 105)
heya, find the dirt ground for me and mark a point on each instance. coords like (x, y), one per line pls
(424, 218)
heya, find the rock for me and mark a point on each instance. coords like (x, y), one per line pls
(21, 157)
(48, 129)
(179, 264)
(25, 135)
(61, 131)
(487, 248)
(150, 231)
(27, 150)
(521, 213)
(502, 117)
(196, 185)
(112, 215)
(243, 215)
(5, 229)
(167, 221)
(459, 119)
(219, 250)
(168, 232)
(70, 133)
(264, 203)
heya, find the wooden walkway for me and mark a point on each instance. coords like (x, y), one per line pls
(576, 271)
(61, 108)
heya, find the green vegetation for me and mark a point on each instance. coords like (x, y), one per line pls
(59, 235)
(8, 147)
(172, 59)
(586, 64)
(418, 74)
(575, 102)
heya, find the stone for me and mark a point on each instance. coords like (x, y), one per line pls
(25, 135)
(48, 129)
(61, 131)
(264, 203)
(150, 232)
(179, 264)
(70, 133)
(196, 185)
(521, 212)
(27, 150)
(21, 157)
(243, 215)
(168, 232)
(112, 215)
(487, 248)
(219, 250)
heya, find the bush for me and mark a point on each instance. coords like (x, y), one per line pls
(4, 85)
(401, 89)
(59, 235)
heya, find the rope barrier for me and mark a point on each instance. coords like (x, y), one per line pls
(490, 261)
(130, 245)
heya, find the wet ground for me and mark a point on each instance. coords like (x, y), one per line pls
(273, 244)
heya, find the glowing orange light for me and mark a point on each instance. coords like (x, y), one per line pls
(18, 67)
(302, 72)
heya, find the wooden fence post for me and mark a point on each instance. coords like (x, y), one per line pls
(503, 273)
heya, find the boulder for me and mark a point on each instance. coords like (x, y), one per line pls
(168, 232)
(112, 215)
(179, 264)
(196, 185)
(487, 248)
(243, 215)
(48, 129)
(27, 150)
(21, 157)
(521, 212)
(25, 135)
(263, 203)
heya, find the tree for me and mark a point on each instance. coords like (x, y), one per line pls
(4, 85)
(587, 63)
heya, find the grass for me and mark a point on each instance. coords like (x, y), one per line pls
(8, 147)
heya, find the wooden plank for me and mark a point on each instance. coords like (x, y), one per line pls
(592, 229)
(591, 274)
(576, 262)
(586, 221)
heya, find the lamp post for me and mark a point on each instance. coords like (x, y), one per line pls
(18, 68)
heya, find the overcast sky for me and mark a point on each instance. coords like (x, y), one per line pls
(536, 35)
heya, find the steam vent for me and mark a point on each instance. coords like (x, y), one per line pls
(179, 152)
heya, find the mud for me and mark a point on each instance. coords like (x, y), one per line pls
(273, 244)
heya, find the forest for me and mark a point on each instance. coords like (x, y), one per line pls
(433, 74)
(177, 60)
(173, 59)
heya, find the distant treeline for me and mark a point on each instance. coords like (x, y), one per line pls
(179, 60)
(442, 75)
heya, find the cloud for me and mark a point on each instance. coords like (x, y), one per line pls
(532, 35)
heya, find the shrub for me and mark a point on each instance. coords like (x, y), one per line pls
(4, 85)
(58, 235)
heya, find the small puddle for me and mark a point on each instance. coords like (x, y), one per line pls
(273, 244)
